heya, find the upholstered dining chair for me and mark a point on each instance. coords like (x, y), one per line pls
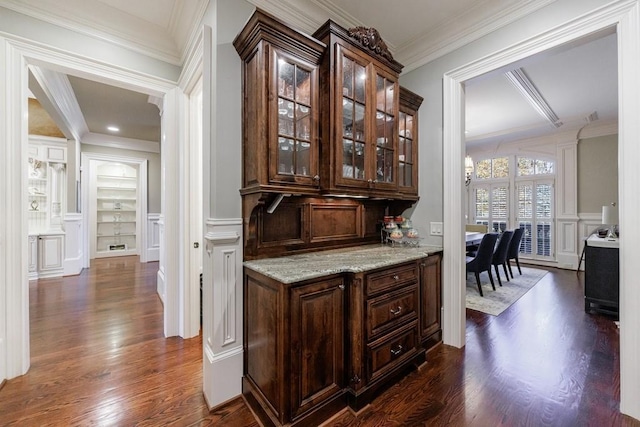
(482, 261)
(500, 254)
(514, 249)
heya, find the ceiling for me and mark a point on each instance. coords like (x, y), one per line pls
(576, 80)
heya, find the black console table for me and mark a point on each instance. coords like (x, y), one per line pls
(602, 275)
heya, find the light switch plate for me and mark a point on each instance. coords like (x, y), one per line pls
(436, 229)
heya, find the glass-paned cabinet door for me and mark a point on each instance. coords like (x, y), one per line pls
(296, 153)
(352, 115)
(406, 148)
(408, 142)
(385, 130)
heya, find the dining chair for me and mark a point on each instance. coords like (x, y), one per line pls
(500, 254)
(482, 261)
(514, 249)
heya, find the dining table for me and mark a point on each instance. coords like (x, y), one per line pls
(473, 238)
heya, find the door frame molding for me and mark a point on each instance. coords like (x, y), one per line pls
(624, 16)
(16, 54)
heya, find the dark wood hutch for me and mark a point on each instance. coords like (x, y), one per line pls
(329, 148)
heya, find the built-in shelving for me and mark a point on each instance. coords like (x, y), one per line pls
(116, 210)
(46, 203)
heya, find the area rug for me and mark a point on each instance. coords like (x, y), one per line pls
(495, 302)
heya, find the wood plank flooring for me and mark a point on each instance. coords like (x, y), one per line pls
(98, 357)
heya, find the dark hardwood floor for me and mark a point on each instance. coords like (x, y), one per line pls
(98, 357)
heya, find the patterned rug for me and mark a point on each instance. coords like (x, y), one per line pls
(495, 302)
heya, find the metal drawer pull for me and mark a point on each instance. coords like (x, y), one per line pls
(396, 311)
(397, 351)
(396, 277)
(341, 287)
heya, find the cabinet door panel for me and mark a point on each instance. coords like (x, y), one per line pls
(408, 142)
(317, 349)
(352, 106)
(50, 252)
(430, 315)
(294, 158)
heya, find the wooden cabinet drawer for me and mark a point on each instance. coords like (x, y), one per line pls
(391, 278)
(387, 311)
(391, 351)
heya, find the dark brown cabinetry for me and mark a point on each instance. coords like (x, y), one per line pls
(408, 142)
(431, 301)
(280, 107)
(386, 303)
(294, 348)
(323, 117)
(314, 347)
(359, 113)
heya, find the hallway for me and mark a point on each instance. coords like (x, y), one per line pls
(99, 356)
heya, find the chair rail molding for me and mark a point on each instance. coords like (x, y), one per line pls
(222, 310)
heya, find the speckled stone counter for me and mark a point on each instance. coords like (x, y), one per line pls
(295, 268)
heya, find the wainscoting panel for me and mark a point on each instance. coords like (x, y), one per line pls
(152, 245)
(222, 310)
(73, 244)
(566, 243)
(589, 222)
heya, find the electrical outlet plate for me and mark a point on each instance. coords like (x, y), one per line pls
(436, 229)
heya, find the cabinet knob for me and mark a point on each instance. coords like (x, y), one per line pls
(396, 311)
(423, 264)
(396, 277)
(341, 287)
(355, 379)
(316, 178)
(370, 181)
(397, 350)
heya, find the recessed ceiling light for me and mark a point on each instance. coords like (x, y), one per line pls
(113, 128)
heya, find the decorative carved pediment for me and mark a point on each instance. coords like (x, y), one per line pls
(371, 39)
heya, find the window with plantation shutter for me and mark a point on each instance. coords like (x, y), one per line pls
(492, 206)
(522, 198)
(535, 215)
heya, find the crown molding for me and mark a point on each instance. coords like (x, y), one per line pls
(303, 15)
(599, 128)
(448, 37)
(166, 44)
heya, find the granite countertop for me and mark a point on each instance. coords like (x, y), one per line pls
(296, 268)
